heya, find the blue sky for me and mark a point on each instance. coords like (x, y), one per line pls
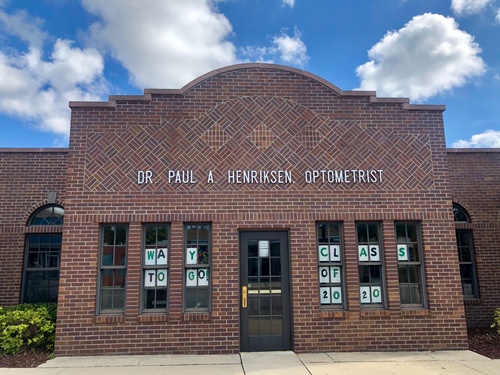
(431, 51)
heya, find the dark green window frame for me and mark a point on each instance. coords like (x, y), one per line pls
(155, 267)
(197, 258)
(410, 264)
(331, 266)
(42, 255)
(371, 268)
(112, 268)
(466, 258)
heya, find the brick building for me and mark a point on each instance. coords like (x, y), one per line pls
(257, 208)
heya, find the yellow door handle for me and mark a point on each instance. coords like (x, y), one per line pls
(244, 297)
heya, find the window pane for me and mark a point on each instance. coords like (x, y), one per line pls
(162, 235)
(362, 233)
(413, 252)
(404, 292)
(121, 235)
(150, 235)
(109, 235)
(107, 255)
(373, 232)
(414, 272)
(120, 252)
(403, 274)
(415, 294)
(465, 254)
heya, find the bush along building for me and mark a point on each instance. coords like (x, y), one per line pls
(258, 208)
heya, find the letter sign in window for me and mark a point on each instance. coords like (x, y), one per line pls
(334, 253)
(191, 255)
(323, 253)
(402, 252)
(197, 277)
(369, 253)
(330, 295)
(363, 253)
(370, 294)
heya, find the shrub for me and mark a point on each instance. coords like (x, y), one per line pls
(496, 320)
(26, 327)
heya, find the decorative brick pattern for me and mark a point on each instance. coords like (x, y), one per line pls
(252, 133)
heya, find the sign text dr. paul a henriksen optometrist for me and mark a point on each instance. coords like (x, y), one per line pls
(275, 176)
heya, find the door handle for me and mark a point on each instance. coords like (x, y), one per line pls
(244, 297)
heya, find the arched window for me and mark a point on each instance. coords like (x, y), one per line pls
(42, 256)
(460, 214)
(47, 215)
(465, 247)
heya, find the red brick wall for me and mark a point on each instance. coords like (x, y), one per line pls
(256, 117)
(26, 177)
(475, 181)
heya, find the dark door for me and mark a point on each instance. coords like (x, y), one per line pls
(265, 291)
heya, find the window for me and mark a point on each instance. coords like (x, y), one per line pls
(410, 270)
(42, 256)
(113, 268)
(460, 214)
(465, 247)
(370, 265)
(330, 265)
(466, 260)
(47, 215)
(155, 267)
(197, 254)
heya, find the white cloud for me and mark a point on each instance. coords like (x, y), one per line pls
(285, 49)
(291, 49)
(428, 56)
(290, 3)
(488, 139)
(22, 25)
(39, 90)
(497, 17)
(163, 44)
(467, 7)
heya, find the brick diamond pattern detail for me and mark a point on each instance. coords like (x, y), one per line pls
(215, 137)
(262, 137)
(255, 133)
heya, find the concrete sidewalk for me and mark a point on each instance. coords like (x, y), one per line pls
(264, 363)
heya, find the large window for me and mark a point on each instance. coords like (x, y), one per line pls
(155, 263)
(465, 247)
(42, 256)
(197, 259)
(330, 265)
(113, 268)
(410, 270)
(370, 265)
(467, 266)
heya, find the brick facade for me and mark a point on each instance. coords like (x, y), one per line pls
(26, 179)
(254, 117)
(475, 181)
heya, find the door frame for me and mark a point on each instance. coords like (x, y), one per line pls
(267, 234)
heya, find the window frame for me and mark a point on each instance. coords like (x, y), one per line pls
(198, 266)
(51, 228)
(376, 263)
(156, 267)
(408, 263)
(471, 263)
(102, 268)
(54, 220)
(340, 263)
